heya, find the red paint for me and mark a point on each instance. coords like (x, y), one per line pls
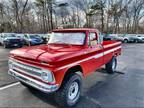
(60, 58)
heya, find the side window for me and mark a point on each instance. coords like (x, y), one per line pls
(92, 39)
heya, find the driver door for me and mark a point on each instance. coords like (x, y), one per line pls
(95, 50)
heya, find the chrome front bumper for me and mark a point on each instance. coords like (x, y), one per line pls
(34, 83)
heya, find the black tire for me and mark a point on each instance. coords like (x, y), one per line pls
(20, 46)
(63, 94)
(111, 65)
(136, 41)
(126, 41)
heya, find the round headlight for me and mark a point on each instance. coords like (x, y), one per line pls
(47, 76)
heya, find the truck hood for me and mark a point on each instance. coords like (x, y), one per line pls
(47, 53)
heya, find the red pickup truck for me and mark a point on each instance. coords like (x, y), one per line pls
(60, 66)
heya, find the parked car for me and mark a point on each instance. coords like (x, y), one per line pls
(60, 66)
(9, 40)
(129, 38)
(21, 36)
(140, 38)
(113, 37)
(32, 39)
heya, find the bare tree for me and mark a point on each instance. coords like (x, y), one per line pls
(19, 9)
(111, 16)
(138, 13)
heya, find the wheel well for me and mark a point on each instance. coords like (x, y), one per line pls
(74, 69)
(115, 55)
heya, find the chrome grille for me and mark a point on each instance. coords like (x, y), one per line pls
(31, 70)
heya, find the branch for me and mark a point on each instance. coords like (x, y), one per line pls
(24, 7)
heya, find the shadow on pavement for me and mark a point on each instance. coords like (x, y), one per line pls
(85, 100)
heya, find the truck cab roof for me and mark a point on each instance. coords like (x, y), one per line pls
(76, 30)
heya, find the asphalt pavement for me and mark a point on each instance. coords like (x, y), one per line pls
(122, 89)
(5, 79)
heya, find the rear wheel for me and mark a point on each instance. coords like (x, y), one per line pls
(136, 41)
(111, 65)
(69, 94)
(125, 40)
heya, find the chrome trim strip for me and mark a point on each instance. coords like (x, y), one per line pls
(89, 58)
(34, 83)
(19, 70)
(106, 46)
(26, 69)
(26, 63)
(112, 50)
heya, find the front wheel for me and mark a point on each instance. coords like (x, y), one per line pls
(69, 94)
(111, 65)
(136, 41)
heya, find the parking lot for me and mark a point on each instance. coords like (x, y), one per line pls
(122, 89)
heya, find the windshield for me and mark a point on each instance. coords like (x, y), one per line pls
(67, 38)
(34, 36)
(9, 35)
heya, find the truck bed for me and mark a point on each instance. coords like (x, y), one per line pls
(110, 49)
(110, 43)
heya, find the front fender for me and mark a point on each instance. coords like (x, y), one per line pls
(60, 73)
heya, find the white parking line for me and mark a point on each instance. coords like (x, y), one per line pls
(8, 86)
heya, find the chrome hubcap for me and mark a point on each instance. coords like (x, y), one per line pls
(73, 91)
